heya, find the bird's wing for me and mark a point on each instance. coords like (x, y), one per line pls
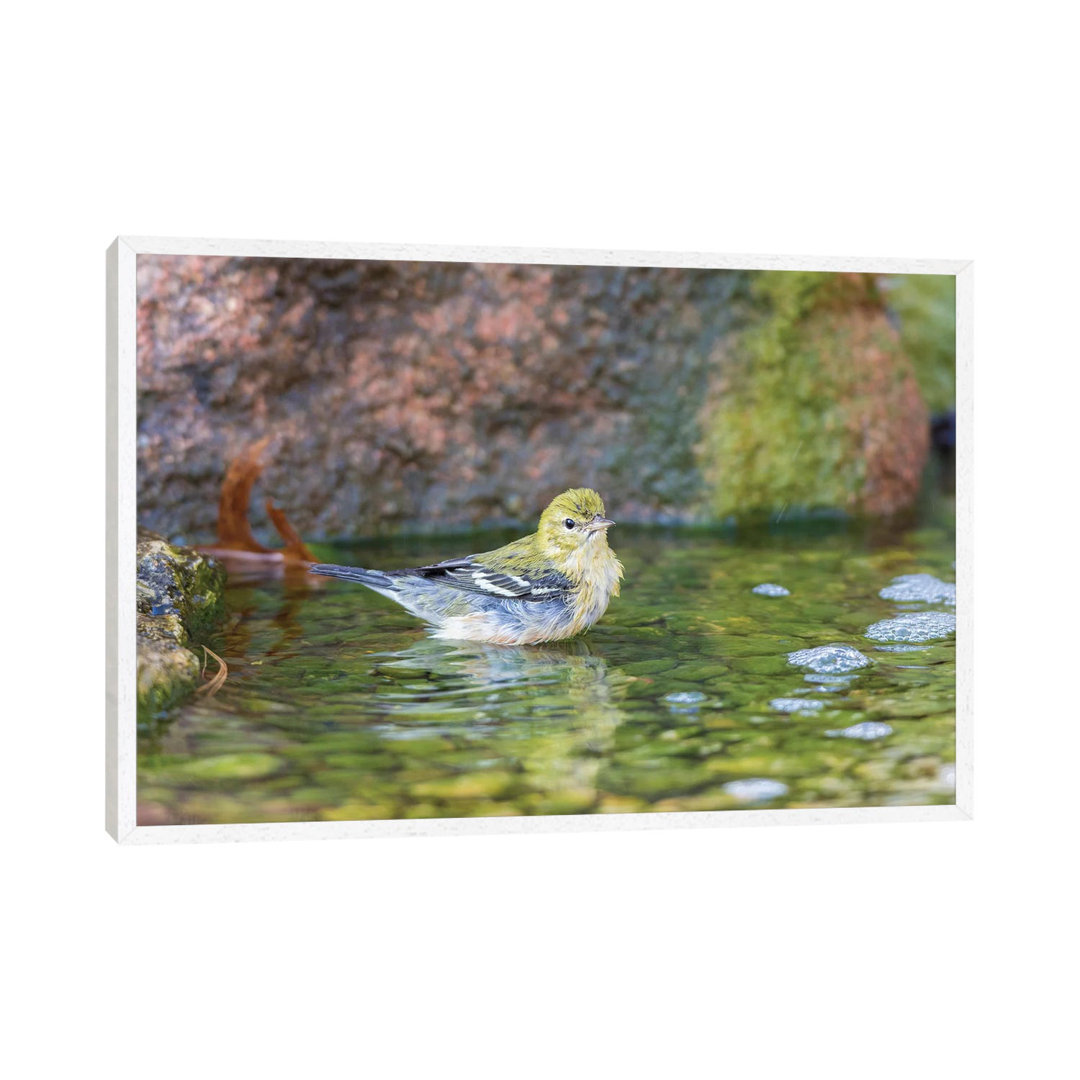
(474, 576)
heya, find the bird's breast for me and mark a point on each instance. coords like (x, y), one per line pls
(599, 582)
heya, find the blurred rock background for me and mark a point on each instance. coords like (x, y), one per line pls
(426, 397)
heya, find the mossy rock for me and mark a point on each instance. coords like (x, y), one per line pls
(178, 582)
(166, 672)
(179, 597)
(819, 407)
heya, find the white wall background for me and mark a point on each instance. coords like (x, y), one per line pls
(916, 129)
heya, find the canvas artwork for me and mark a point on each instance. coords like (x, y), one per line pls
(431, 539)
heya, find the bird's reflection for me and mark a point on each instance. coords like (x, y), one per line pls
(430, 712)
(564, 662)
(554, 708)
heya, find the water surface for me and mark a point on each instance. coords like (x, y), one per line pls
(684, 697)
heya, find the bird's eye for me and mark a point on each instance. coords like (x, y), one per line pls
(569, 523)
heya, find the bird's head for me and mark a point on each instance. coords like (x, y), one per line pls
(573, 527)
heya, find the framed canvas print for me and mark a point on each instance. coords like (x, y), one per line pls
(409, 540)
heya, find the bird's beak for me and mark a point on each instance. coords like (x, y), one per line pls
(599, 523)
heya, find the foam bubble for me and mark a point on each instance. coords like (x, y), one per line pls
(867, 730)
(756, 789)
(771, 590)
(914, 626)
(920, 588)
(685, 697)
(829, 659)
(830, 684)
(795, 704)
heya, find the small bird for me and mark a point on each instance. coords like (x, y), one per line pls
(544, 587)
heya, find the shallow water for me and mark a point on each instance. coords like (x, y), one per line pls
(684, 697)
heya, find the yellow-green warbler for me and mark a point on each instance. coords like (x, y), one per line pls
(544, 587)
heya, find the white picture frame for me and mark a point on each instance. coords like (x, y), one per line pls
(120, 810)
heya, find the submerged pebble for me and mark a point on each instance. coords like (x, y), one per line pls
(914, 626)
(755, 789)
(771, 590)
(867, 730)
(920, 588)
(795, 704)
(829, 659)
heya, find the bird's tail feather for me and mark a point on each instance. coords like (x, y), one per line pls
(372, 578)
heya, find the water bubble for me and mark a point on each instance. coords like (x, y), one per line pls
(830, 684)
(771, 590)
(685, 697)
(914, 626)
(920, 588)
(829, 659)
(867, 730)
(794, 704)
(755, 789)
